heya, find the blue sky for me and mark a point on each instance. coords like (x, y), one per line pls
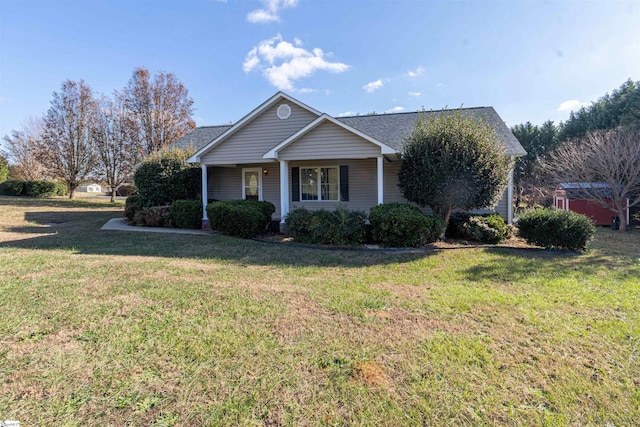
(532, 60)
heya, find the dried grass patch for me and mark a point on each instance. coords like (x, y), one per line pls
(371, 373)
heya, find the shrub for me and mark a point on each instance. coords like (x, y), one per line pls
(553, 228)
(240, 218)
(60, 189)
(154, 216)
(338, 227)
(488, 228)
(299, 224)
(126, 190)
(402, 225)
(12, 187)
(164, 177)
(40, 189)
(132, 205)
(187, 213)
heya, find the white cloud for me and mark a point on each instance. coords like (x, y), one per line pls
(415, 93)
(372, 86)
(572, 104)
(271, 11)
(397, 109)
(306, 90)
(282, 62)
(415, 73)
(347, 113)
(439, 86)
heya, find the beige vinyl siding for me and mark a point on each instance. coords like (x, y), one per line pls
(392, 191)
(329, 140)
(500, 208)
(225, 183)
(363, 190)
(260, 135)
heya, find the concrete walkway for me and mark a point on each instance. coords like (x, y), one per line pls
(120, 224)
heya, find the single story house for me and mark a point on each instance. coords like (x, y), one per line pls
(577, 197)
(292, 155)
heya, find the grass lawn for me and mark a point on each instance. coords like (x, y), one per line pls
(114, 328)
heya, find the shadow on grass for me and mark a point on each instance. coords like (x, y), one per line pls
(523, 264)
(58, 202)
(80, 232)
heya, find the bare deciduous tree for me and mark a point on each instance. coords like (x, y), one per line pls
(161, 106)
(609, 156)
(67, 147)
(22, 148)
(114, 142)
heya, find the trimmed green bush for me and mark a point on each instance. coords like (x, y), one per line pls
(126, 190)
(61, 188)
(553, 228)
(39, 189)
(240, 218)
(187, 213)
(339, 227)
(132, 205)
(12, 187)
(486, 228)
(165, 177)
(154, 216)
(299, 224)
(403, 225)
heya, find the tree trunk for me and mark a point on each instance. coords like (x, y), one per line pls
(622, 214)
(442, 212)
(72, 189)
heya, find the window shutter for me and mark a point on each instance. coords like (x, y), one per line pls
(344, 183)
(295, 184)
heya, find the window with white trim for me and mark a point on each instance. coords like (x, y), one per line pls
(320, 183)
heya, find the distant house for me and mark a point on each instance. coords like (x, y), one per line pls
(574, 196)
(90, 188)
(295, 156)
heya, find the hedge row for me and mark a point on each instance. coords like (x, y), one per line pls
(392, 225)
(338, 227)
(40, 189)
(240, 218)
(180, 214)
(403, 225)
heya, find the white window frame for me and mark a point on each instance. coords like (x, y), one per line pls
(320, 199)
(244, 186)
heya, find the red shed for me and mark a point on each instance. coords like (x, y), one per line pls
(572, 196)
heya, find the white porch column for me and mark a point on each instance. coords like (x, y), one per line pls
(205, 194)
(380, 181)
(510, 196)
(284, 189)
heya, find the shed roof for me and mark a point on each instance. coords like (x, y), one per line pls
(582, 190)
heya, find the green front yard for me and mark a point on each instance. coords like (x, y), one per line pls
(106, 327)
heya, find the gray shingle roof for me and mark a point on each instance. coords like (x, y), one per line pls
(391, 129)
(200, 136)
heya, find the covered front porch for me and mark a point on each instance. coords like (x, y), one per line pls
(357, 184)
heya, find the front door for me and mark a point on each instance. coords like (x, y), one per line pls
(251, 184)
